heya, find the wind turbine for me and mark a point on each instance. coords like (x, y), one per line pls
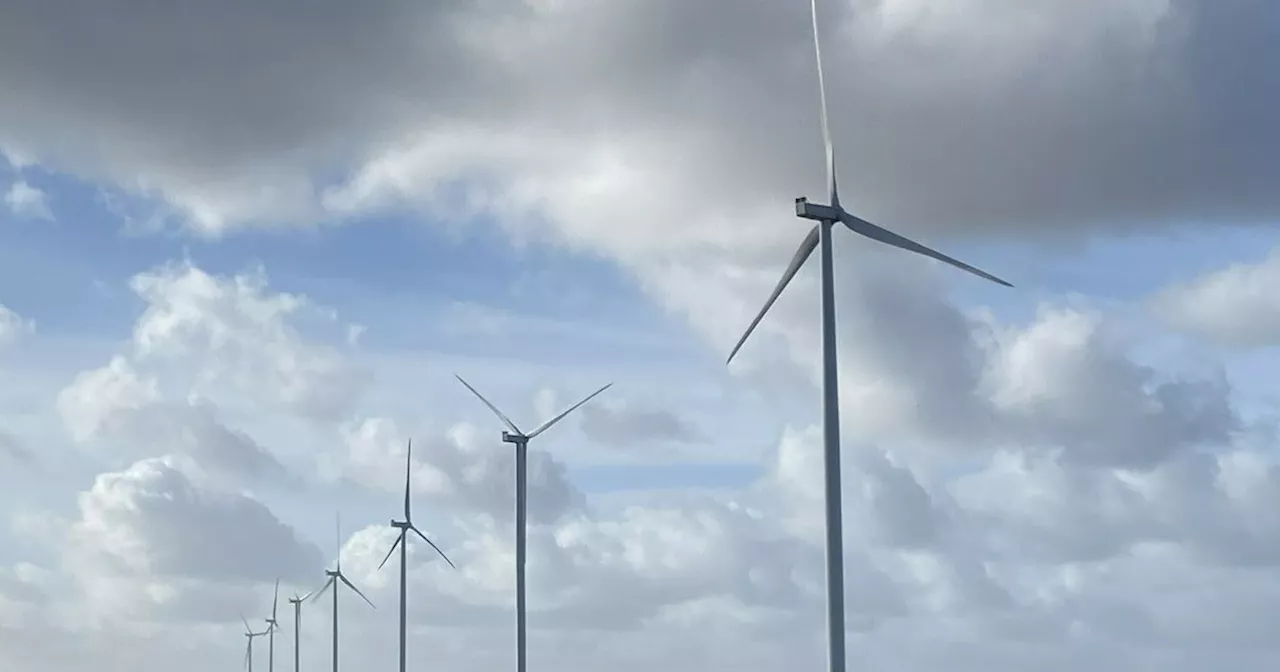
(826, 217)
(335, 575)
(271, 630)
(403, 542)
(296, 601)
(521, 441)
(248, 651)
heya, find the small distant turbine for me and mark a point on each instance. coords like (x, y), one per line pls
(296, 601)
(248, 651)
(826, 217)
(335, 576)
(402, 541)
(271, 630)
(521, 441)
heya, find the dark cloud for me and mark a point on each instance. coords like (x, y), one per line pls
(1141, 112)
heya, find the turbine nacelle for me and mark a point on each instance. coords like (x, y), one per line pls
(821, 213)
(517, 439)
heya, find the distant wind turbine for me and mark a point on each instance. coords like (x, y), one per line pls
(248, 651)
(296, 601)
(521, 441)
(826, 216)
(271, 630)
(402, 541)
(335, 576)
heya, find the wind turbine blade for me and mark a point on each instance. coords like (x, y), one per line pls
(493, 408)
(822, 97)
(248, 651)
(433, 545)
(246, 624)
(275, 601)
(883, 235)
(352, 586)
(399, 539)
(797, 260)
(408, 462)
(337, 541)
(322, 590)
(547, 425)
(303, 597)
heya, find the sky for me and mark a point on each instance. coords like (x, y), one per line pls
(245, 248)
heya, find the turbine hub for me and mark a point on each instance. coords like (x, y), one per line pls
(517, 439)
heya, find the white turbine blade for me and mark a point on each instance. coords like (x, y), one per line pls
(797, 260)
(408, 463)
(352, 586)
(337, 541)
(325, 587)
(248, 651)
(399, 539)
(493, 408)
(883, 235)
(822, 97)
(433, 545)
(274, 601)
(547, 425)
(246, 624)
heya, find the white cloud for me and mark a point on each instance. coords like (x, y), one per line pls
(1018, 493)
(27, 201)
(1235, 306)
(13, 326)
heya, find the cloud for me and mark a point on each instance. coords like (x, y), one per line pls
(1233, 306)
(1132, 108)
(461, 469)
(13, 449)
(235, 330)
(158, 537)
(1019, 491)
(621, 424)
(27, 201)
(13, 326)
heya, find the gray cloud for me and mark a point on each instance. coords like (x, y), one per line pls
(1151, 111)
(623, 424)
(156, 519)
(13, 449)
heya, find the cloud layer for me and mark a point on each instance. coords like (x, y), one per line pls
(1021, 490)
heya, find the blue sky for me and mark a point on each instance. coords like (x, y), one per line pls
(548, 196)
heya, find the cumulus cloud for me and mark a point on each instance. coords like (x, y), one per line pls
(27, 201)
(1018, 494)
(1234, 306)
(158, 538)
(236, 330)
(462, 468)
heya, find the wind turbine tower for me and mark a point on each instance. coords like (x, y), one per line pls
(248, 651)
(521, 442)
(335, 576)
(405, 526)
(271, 630)
(296, 601)
(825, 218)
